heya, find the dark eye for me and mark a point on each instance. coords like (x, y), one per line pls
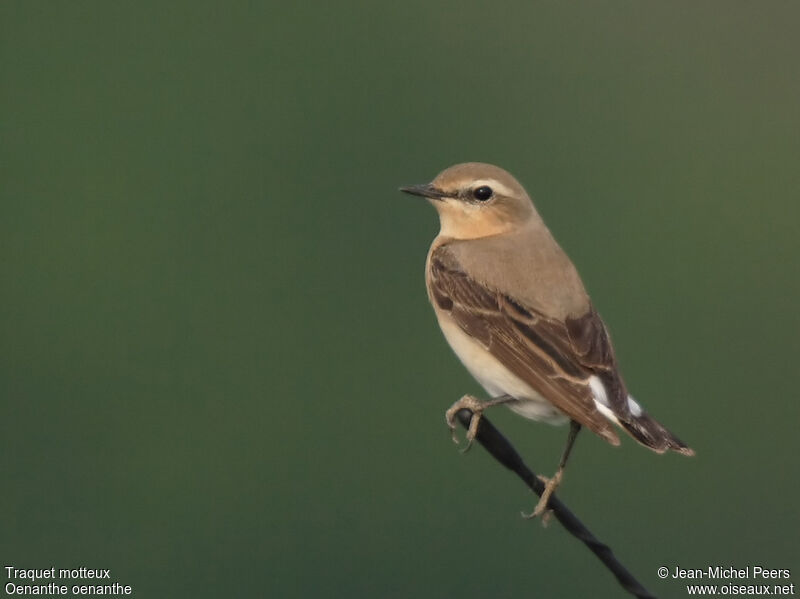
(482, 193)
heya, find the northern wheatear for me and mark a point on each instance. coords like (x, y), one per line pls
(513, 308)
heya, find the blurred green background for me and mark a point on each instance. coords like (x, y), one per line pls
(219, 373)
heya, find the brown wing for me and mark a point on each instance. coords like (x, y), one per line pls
(554, 357)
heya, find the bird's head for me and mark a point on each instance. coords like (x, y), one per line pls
(475, 200)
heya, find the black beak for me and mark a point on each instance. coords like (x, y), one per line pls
(426, 191)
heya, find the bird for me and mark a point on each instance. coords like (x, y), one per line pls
(514, 310)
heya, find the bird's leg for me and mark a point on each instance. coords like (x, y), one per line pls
(477, 407)
(551, 484)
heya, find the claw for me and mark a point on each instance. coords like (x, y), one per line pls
(450, 418)
(550, 485)
(477, 408)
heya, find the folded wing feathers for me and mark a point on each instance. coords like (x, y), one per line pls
(556, 358)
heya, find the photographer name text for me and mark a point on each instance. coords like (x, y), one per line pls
(728, 573)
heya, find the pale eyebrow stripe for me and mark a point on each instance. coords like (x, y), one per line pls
(494, 184)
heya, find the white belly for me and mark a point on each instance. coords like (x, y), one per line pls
(496, 378)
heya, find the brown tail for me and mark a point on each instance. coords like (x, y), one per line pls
(651, 434)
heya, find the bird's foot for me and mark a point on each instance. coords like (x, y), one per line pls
(550, 485)
(475, 406)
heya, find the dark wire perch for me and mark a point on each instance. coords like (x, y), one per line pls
(501, 449)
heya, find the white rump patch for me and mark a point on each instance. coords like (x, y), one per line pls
(598, 390)
(634, 407)
(607, 413)
(601, 399)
